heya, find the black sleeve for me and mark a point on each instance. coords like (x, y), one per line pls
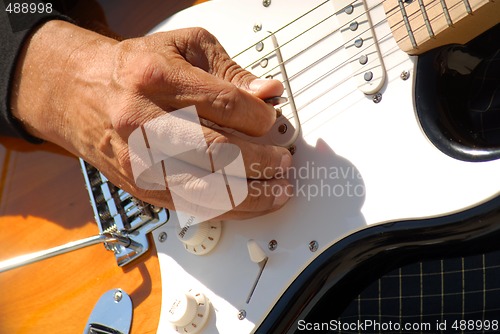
(14, 29)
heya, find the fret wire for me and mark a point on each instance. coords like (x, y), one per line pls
(446, 13)
(407, 24)
(426, 18)
(467, 6)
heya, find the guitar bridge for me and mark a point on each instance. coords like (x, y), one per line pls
(116, 211)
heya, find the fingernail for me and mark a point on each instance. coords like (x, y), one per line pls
(257, 84)
(284, 196)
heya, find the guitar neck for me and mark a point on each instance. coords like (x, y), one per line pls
(422, 25)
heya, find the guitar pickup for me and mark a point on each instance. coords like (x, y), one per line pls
(361, 44)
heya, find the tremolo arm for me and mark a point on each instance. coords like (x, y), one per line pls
(124, 223)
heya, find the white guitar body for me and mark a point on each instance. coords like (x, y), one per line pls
(381, 167)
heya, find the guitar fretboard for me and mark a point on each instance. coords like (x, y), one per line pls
(421, 25)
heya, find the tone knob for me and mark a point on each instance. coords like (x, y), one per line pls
(200, 238)
(188, 312)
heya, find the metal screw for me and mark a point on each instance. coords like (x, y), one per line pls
(266, 3)
(257, 27)
(162, 237)
(259, 47)
(377, 98)
(313, 246)
(282, 128)
(292, 149)
(118, 296)
(156, 209)
(279, 112)
(273, 244)
(242, 314)
(405, 75)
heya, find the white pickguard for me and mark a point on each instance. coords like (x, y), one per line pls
(377, 150)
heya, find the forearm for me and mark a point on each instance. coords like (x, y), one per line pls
(53, 78)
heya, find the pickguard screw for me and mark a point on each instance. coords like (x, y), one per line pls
(242, 314)
(377, 98)
(266, 3)
(279, 112)
(292, 149)
(273, 244)
(257, 27)
(118, 296)
(282, 128)
(313, 246)
(156, 209)
(405, 75)
(162, 237)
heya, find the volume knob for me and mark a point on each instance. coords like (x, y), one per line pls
(188, 312)
(200, 238)
(182, 310)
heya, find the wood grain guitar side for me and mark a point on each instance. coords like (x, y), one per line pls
(44, 204)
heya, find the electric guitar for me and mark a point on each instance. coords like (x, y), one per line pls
(382, 171)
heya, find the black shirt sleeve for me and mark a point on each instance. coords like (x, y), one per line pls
(15, 28)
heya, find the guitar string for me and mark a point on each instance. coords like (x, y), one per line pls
(307, 86)
(305, 49)
(289, 41)
(345, 62)
(335, 50)
(434, 2)
(283, 27)
(295, 37)
(349, 42)
(415, 13)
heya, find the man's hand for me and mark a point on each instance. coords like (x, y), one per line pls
(88, 93)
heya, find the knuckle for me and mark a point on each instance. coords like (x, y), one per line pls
(124, 116)
(229, 70)
(146, 71)
(135, 67)
(202, 35)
